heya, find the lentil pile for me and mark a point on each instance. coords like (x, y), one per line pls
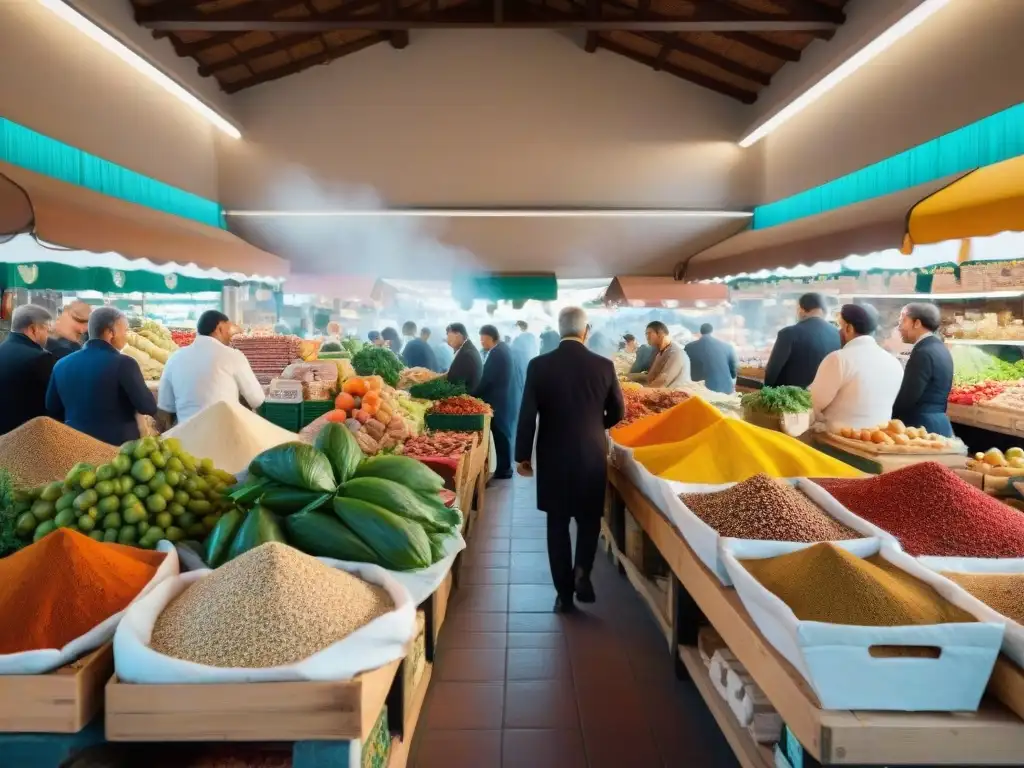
(1002, 592)
(767, 509)
(42, 450)
(828, 584)
(933, 512)
(64, 585)
(272, 606)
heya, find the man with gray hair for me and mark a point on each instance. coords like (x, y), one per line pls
(25, 367)
(98, 390)
(576, 396)
(928, 377)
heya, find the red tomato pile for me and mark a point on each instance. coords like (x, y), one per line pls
(183, 338)
(969, 394)
(462, 405)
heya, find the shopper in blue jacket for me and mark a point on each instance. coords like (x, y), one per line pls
(97, 390)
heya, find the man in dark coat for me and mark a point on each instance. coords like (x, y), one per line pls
(577, 397)
(496, 389)
(417, 353)
(466, 367)
(799, 349)
(712, 361)
(25, 367)
(928, 377)
(98, 390)
(69, 330)
(549, 341)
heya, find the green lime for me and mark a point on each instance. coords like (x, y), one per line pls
(52, 492)
(174, 534)
(65, 518)
(96, 535)
(197, 531)
(129, 501)
(43, 510)
(128, 448)
(127, 535)
(134, 514)
(25, 524)
(110, 535)
(176, 509)
(156, 503)
(173, 478)
(122, 463)
(174, 464)
(163, 520)
(142, 491)
(106, 472)
(67, 500)
(113, 520)
(86, 499)
(143, 470)
(182, 497)
(86, 523)
(157, 480)
(106, 487)
(87, 479)
(43, 528)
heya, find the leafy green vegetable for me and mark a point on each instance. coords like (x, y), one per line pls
(973, 365)
(778, 400)
(437, 389)
(377, 361)
(339, 445)
(9, 540)
(298, 465)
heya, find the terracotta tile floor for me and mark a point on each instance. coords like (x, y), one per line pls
(516, 686)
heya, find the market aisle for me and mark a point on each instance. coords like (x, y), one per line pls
(516, 686)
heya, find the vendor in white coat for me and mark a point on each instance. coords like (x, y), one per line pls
(856, 385)
(205, 372)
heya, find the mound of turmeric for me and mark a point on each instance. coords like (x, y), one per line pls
(678, 423)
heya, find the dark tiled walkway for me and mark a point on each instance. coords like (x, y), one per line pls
(516, 686)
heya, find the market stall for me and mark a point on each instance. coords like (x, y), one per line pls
(749, 553)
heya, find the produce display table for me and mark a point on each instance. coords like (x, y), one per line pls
(878, 463)
(991, 736)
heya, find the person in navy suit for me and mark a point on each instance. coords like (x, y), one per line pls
(928, 377)
(712, 361)
(25, 367)
(497, 389)
(417, 353)
(97, 390)
(799, 349)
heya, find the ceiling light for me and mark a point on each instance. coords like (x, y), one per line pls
(881, 43)
(456, 213)
(126, 54)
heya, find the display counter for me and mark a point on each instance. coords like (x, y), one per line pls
(991, 736)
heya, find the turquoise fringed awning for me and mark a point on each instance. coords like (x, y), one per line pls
(24, 147)
(991, 140)
(505, 287)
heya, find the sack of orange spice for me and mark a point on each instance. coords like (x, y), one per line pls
(64, 595)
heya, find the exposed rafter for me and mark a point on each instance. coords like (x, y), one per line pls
(747, 97)
(282, 43)
(327, 55)
(759, 44)
(671, 43)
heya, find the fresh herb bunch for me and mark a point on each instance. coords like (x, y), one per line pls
(378, 361)
(9, 541)
(778, 400)
(437, 389)
(352, 345)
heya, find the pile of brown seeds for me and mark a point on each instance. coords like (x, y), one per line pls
(1002, 592)
(43, 450)
(766, 509)
(271, 606)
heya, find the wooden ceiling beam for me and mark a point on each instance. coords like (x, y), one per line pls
(282, 43)
(802, 9)
(697, 78)
(811, 8)
(326, 56)
(673, 43)
(759, 44)
(262, 17)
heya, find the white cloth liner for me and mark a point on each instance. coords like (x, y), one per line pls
(380, 642)
(1013, 638)
(834, 658)
(39, 662)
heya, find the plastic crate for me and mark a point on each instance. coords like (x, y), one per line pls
(449, 422)
(313, 410)
(285, 415)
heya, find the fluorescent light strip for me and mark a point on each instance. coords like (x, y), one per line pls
(495, 213)
(127, 55)
(877, 46)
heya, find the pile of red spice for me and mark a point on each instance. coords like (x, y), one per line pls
(933, 512)
(64, 585)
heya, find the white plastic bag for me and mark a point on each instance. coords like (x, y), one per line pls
(380, 642)
(38, 662)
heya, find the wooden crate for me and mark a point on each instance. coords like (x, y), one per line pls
(1007, 685)
(415, 662)
(62, 701)
(302, 711)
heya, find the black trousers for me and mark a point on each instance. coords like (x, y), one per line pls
(502, 450)
(588, 529)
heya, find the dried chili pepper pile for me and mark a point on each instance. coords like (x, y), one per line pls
(933, 512)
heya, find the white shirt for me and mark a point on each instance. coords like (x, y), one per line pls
(856, 386)
(204, 373)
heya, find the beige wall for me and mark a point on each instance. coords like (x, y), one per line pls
(962, 64)
(489, 118)
(56, 81)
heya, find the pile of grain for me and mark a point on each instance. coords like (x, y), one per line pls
(269, 607)
(1002, 592)
(766, 509)
(43, 450)
(933, 512)
(828, 584)
(229, 434)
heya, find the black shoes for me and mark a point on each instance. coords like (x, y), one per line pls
(584, 588)
(502, 475)
(564, 605)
